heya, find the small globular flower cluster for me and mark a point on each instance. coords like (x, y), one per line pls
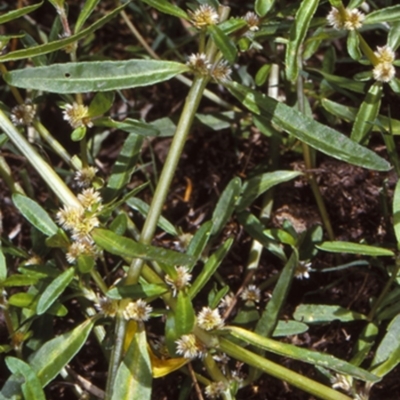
(214, 390)
(342, 382)
(252, 21)
(209, 319)
(90, 200)
(384, 70)
(137, 310)
(199, 64)
(349, 19)
(77, 115)
(251, 294)
(84, 177)
(107, 306)
(188, 346)
(303, 270)
(204, 16)
(226, 302)
(181, 281)
(81, 248)
(23, 114)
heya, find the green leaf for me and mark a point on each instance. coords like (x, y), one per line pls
(131, 126)
(354, 248)
(317, 135)
(3, 266)
(87, 9)
(124, 166)
(209, 268)
(31, 389)
(262, 74)
(225, 206)
(396, 212)
(11, 15)
(54, 290)
(101, 103)
(259, 184)
(320, 313)
(138, 291)
(95, 76)
(20, 280)
(393, 40)
(224, 43)
(184, 314)
(23, 300)
(289, 328)
(254, 227)
(389, 342)
(85, 264)
(384, 15)
(263, 6)
(367, 114)
(134, 378)
(364, 343)
(199, 242)
(143, 208)
(59, 44)
(301, 354)
(35, 214)
(78, 133)
(119, 224)
(349, 114)
(55, 354)
(297, 34)
(124, 247)
(269, 318)
(167, 8)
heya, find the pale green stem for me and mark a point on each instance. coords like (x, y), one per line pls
(5, 173)
(282, 373)
(310, 165)
(167, 174)
(369, 53)
(59, 188)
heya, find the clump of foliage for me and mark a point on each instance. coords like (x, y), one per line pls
(85, 247)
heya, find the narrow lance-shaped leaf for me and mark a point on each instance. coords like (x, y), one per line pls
(297, 34)
(301, 354)
(263, 6)
(210, 267)
(367, 114)
(55, 354)
(321, 313)
(3, 266)
(35, 214)
(354, 248)
(184, 314)
(31, 389)
(167, 8)
(259, 184)
(224, 43)
(59, 44)
(124, 247)
(95, 76)
(134, 378)
(14, 14)
(316, 135)
(396, 212)
(386, 15)
(87, 9)
(54, 290)
(269, 318)
(394, 36)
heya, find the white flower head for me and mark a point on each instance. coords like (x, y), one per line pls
(90, 200)
(384, 72)
(199, 64)
(303, 270)
(209, 319)
(181, 281)
(189, 347)
(81, 248)
(23, 114)
(343, 382)
(106, 306)
(385, 54)
(85, 176)
(69, 217)
(252, 21)
(137, 310)
(77, 115)
(226, 301)
(349, 19)
(204, 16)
(251, 294)
(214, 390)
(221, 72)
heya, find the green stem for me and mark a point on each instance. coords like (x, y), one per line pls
(367, 50)
(171, 163)
(5, 174)
(45, 171)
(282, 373)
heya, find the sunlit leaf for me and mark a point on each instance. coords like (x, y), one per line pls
(354, 248)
